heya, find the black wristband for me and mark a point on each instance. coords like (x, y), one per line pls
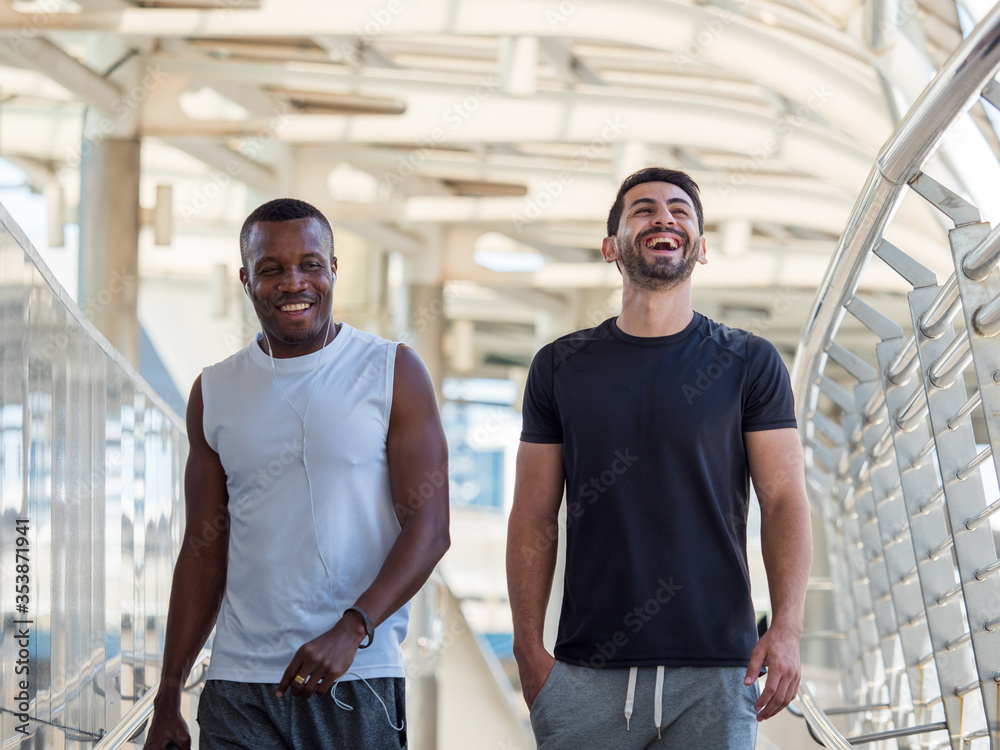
(369, 628)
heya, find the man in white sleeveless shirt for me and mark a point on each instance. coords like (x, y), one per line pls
(317, 506)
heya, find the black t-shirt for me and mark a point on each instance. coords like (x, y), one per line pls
(657, 487)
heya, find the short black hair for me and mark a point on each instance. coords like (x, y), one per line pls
(655, 174)
(281, 209)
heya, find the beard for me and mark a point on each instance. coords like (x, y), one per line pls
(660, 273)
(294, 336)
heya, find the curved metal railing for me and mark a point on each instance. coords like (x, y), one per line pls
(133, 723)
(900, 440)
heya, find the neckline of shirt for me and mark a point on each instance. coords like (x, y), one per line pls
(306, 362)
(673, 338)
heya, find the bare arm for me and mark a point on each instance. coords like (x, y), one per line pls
(776, 467)
(532, 538)
(199, 578)
(418, 459)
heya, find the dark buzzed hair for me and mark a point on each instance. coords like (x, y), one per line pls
(281, 209)
(655, 174)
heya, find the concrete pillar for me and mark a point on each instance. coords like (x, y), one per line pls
(109, 240)
(427, 324)
(427, 328)
(463, 343)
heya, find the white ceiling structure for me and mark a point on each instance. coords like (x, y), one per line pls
(446, 132)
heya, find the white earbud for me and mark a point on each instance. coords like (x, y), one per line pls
(246, 288)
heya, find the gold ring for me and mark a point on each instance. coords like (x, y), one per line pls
(300, 679)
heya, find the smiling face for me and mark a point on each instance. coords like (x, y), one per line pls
(290, 281)
(658, 240)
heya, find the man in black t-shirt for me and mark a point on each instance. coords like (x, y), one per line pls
(654, 423)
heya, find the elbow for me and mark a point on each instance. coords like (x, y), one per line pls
(441, 542)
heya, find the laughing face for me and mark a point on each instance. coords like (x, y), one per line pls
(658, 240)
(291, 284)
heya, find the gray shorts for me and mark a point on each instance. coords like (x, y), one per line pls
(579, 708)
(249, 716)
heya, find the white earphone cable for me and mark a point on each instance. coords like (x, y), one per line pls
(347, 707)
(312, 503)
(302, 418)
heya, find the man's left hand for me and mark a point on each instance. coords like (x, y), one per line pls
(778, 650)
(322, 660)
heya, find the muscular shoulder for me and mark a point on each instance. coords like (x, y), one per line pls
(414, 401)
(408, 366)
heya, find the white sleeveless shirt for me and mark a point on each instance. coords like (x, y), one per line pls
(278, 594)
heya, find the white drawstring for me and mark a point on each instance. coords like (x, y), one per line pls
(630, 696)
(658, 701)
(340, 704)
(633, 674)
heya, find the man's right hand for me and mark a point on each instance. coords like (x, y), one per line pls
(534, 673)
(167, 729)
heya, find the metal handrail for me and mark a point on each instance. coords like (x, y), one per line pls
(133, 720)
(954, 90)
(906, 362)
(942, 311)
(957, 87)
(984, 258)
(819, 722)
(987, 318)
(824, 732)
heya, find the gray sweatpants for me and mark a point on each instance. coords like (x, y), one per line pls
(249, 716)
(709, 708)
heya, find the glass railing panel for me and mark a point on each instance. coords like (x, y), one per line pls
(92, 461)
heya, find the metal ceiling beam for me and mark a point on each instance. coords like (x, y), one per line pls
(251, 173)
(353, 50)
(750, 49)
(556, 304)
(382, 234)
(441, 115)
(559, 53)
(38, 53)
